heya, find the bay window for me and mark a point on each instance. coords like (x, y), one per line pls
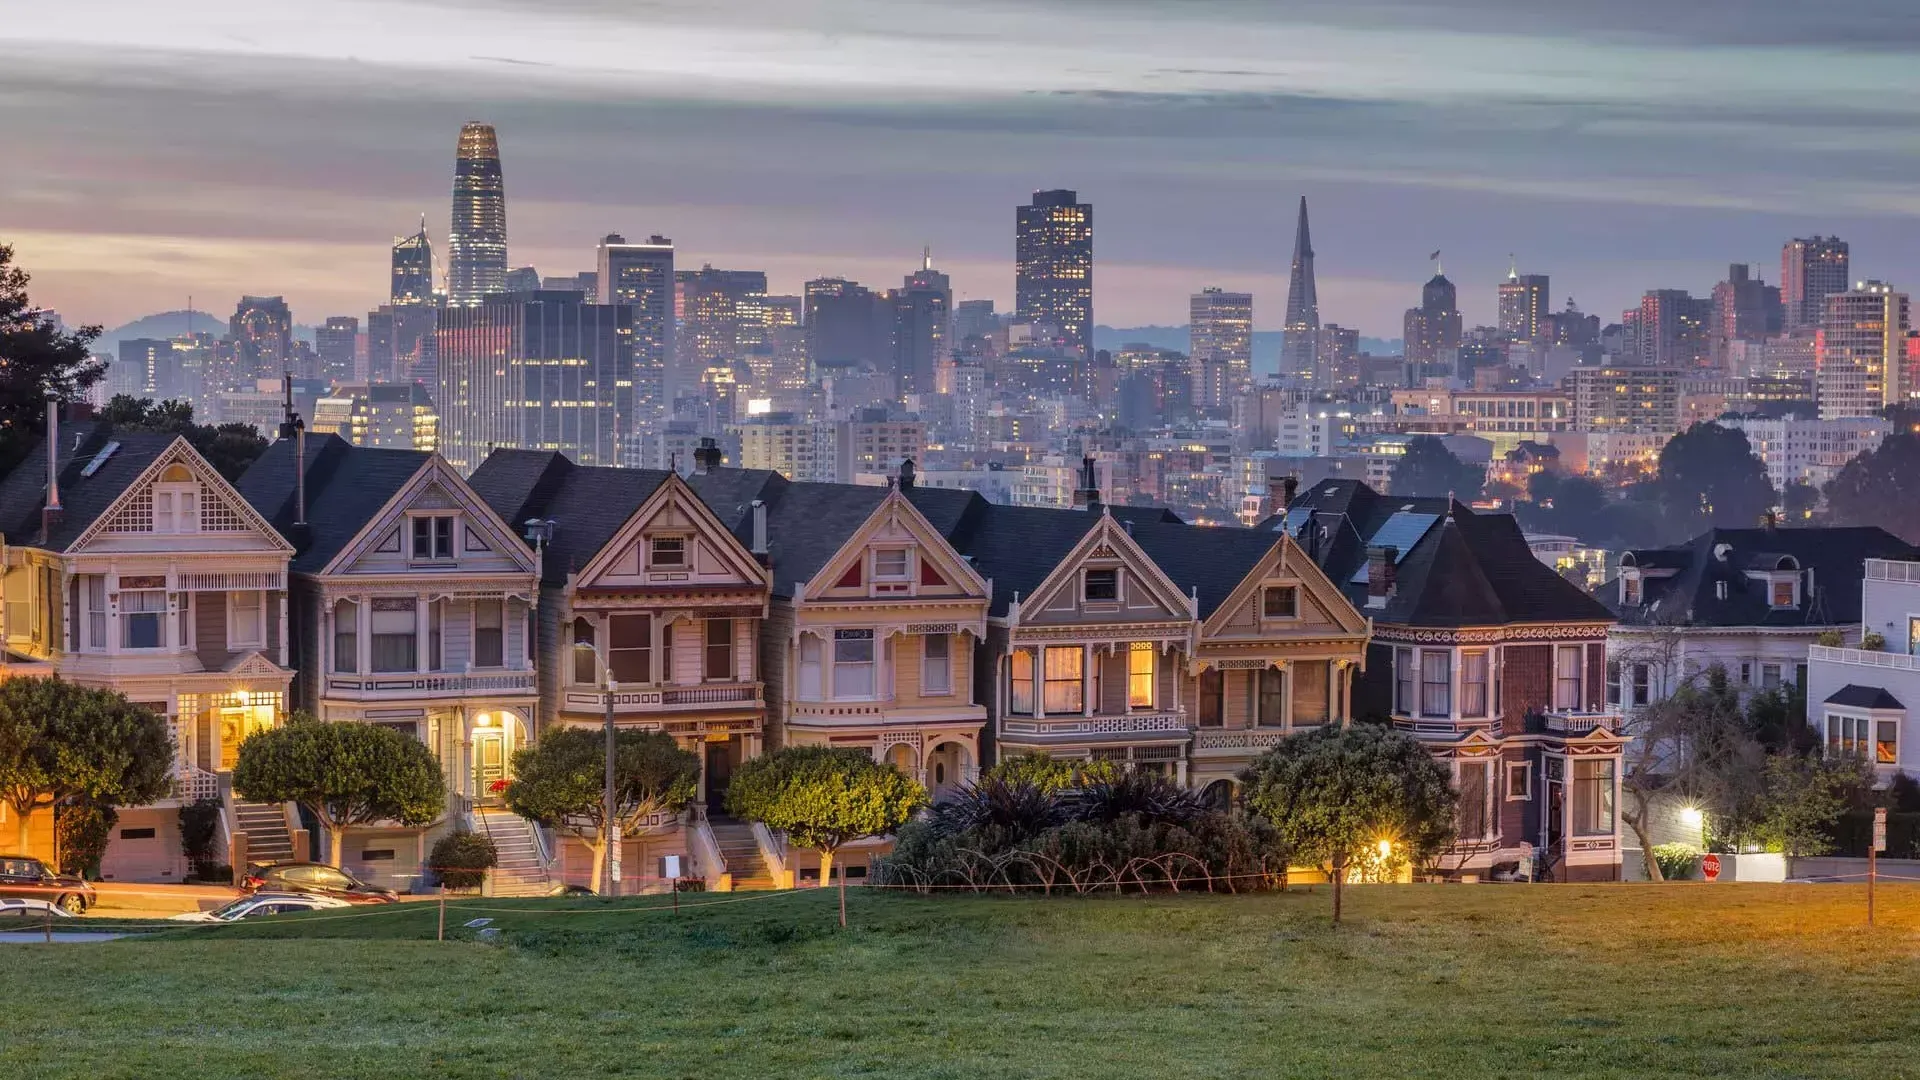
(1877, 741)
(1271, 702)
(936, 664)
(1566, 677)
(718, 655)
(141, 615)
(489, 633)
(630, 648)
(812, 681)
(1473, 683)
(346, 636)
(1021, 698)
(1065, 690)
(1593, 797)
(436, 634)
(1403, 681)
(1886, 742)
(396, 634)
(1140, 675)
(1436, 682)
(1473, 815)
(1312, 692)
(853, 663)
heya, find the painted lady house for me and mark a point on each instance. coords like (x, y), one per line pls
(143, 571)
(413, 609)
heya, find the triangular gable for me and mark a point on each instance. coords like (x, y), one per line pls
(436, 485)
(1286, 561)
(1148, 594)
(939, 572)
(223, 512)
(255, 664)
(715, 558)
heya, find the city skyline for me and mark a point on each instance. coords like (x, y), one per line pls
(1194, 129)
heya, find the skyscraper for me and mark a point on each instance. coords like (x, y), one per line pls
(337, 344)
(849, 326)
(1745, 308)
(641, 277)
(1053, 266)
(1524, 305)
(1860, 352)
(922, 326)
(477, 242)
(1300, 333)
(1431, 332)
(412, 268)
(720, 317)
(262, 333)
(1812, 269)
(538, 371)
(1674, 329)
(1220, 344)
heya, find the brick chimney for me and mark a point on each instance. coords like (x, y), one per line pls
(1380, 574)
(906, 475)
(706, 456)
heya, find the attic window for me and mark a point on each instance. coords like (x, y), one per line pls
(1280, 602)
(1630, 594)
(1786, 592)
(667, 551)
(1101, 586)
(890, 564)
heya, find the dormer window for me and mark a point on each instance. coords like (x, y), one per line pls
(432, 537)
(1630, 593)
(1785, 591)
(1280, 602)
(667, 553)
(176, 501)
(1101, 586)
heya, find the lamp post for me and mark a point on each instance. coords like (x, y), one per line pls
(609, 832)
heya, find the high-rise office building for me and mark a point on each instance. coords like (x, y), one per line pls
(412, 268)
(400, 343)
(720, 316)
(1431, 332)
(477, 242)
(521, 279)
(1053, 266)
(849, 326)
(148, 368)
(1812, 269)
(1524, 305)
(539, 371)
(1300, 333)
(640, 276)
(1336, 356)
(337, 344)
(1745, 308)
(922, 326)
(262, 333)
(1860, 353)
(1220, 330)
(1674, 329)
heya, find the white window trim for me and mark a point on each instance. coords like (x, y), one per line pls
(686, 552)
(1295, 586)
(1526, 769)
(453, 538)
(925, 665)
(1086, 576)
(233, 607)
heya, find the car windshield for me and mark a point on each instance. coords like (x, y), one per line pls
(233, 909)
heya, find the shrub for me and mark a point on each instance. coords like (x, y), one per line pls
(1677, 861)
(84, 829)
(1049, 773)
(1832, 639)
(199, 824)
(462, 858)
(1148, 796)
(1873, 641)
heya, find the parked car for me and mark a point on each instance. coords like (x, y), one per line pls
(27, 878)
(16, 910)
(318, 879)
(260, 905)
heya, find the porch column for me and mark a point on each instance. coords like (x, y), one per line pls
(1089, 684)
(283, 624)
(170, 633)
(363, 636)
(421, 634)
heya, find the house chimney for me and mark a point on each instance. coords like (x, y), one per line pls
(1290, 487)
(760, 530)
(906, 475)
(1380, 574)
(706, 456)
(51, 513)
(299, 472)
(1088, 493)
(287, 418)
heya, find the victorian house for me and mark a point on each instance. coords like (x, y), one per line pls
(132, 565)
(651, 608)
(412, 608)
(1490, 658)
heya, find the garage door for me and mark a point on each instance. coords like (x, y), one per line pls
(142, 849)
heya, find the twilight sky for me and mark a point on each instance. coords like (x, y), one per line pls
(214, 147)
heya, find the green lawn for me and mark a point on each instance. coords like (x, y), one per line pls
(1443, 981)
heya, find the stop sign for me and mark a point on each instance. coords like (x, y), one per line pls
(1710, 867)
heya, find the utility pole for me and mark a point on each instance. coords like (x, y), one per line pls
(612, 829)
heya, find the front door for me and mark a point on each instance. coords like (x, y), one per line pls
(720, 757)
(489, 764)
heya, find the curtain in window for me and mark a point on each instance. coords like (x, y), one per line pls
(395, 636)
(810, 676)
(1022, 697)
(248, 625)
(1593, 798)
(1436, 682)
(853, 663)
(630, 648)
(489, 633)
(936, 664)
(1311, 702)
(1273, 697)
(346, 636)
(1065, 686)
(1566, 677)
(140, 616)
(1473, 683)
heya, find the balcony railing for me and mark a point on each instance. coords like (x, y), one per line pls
(1864, 658)
(1097, 726)
(1897, 570)
(1244, 739)
(667, 698)
(194, 784)
(1567, 722)
(430, 684)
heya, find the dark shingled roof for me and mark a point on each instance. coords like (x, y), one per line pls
(1210, 561)
(346, 486)
(1464, 569)
(82, 498)
(587, 504)
(1855, 696)
(1016, 547)
(1835, 556)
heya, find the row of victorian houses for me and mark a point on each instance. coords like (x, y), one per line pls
(738, 611)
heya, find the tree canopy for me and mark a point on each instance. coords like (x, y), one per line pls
(1429, 469)
(1048, 773)
(1708, 477)
(1881, 487)
(37, 361)
(1334, 794)
(344, 774)
(61, 742)
(229, 448)
(560, 782)
(822, 797)
(1694, 748)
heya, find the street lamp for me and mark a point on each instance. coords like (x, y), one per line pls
(609, 833)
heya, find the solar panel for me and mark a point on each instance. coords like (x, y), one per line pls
(100, 459)
(1296, 517)
(1402, 531)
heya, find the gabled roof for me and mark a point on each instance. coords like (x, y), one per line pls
(587, 504)
(1455, 567)
(347, 486)
(1212, 562)
(1016, 547)
(1855, 696)
(83, 498)
(1835, 557)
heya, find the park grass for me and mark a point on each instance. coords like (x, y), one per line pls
(1422, 981)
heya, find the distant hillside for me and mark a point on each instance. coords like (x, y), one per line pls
(166, 324)
(1266, 343)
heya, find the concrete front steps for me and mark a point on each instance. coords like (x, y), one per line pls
(520, 871)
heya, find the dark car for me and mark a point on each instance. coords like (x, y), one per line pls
(318, 879)
(28, 878)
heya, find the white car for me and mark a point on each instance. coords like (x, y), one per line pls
(17, 910)
(261, 905)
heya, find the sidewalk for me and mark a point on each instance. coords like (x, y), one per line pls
(138, 900)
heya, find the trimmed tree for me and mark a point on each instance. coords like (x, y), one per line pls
(823, 797)
(62, 743)
(1334, 794)
(1049, 773)
(560, 782)
(344, 774)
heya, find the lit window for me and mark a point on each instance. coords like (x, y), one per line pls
(1783, 592)
(1140, 675)
(1593, 797)
(1280, 602)
(1022, 695)
(1065, 679)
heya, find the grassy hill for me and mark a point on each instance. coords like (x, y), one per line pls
(1424, 981)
